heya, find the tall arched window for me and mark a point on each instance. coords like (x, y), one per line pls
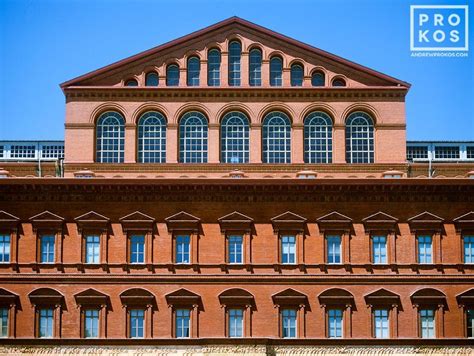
(151, 79)
(235, 138)
(276, 72)
(318, 79)
(296, 75)
(359, 138)
(193, 138)
(131, 83)
(152, 138)
(194, 68)
(276, 138)
(318, 138)
(214, 68)
(235, 51)
(255, 68)
(110, 138)
(172, 75)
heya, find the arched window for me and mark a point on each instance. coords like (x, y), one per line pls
(276, 71)
(131, 83)
(276, 138)
(318, 138)
(318, 79)
(194, 68)
(193, 138)
(235, 50)
(172, 75)
(255, 67)
(338, 82)
(296, 75)
(359, 138)
(151, 79)
(214, 68)
(152, 138)
(235, 138)
(110, 138)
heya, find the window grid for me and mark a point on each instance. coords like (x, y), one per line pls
(417, 152)
(468, 249)
(151, 79)
(289, 323)
(255, 68)
(93, 249)
(5, 248)
(3, 322)
(379, 249)
(235, 138)
(91, 323)
(52, 151)
(47, 249)
(470, 152)
(318, 138)
(359, 138)
(131, 83)
(183, 249)
(137, 249)
(137, 321)
(22, 151)
(381, 325)
(447, 152)
(110, 138)
(235, 249)
(194, 68)
(235, 50)
(335, 323)
(288, 249)
(183, 317)
(276, 138)
(425, 249)
(236, 321)
(338, 82)
(193, 138)
(276, 72)
(427, 323)
(296, 75)
(2, 150)
(152, 138)
(214, 68)
(333, 249)
(172, 75)
(318, 79)
(46, 320)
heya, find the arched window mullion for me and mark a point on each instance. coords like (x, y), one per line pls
(213, 67)
(152, 138)
(359, 138)
(193, 133)
(255, 68)
(235, 138)
(318, 138)
(276, 135)
(235, 52)
(110, 138)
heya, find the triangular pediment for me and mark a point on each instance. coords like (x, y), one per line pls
(425, 221)
(382, 292)
(183, 297)
(183, 216)
(288, 216)
(235, 217)
(8, 220)
(137, 221)
(290, 296)
(46, 216)
(183, 221)
(288, 221)
(218, 35)
(380, 217)
(334, 221)
(426, 216)
(91, 216)
(465, 221)
(137, 216)
(334, 217)
(235, 221)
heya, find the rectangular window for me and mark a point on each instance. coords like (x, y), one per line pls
(46, 321)
(470, 152)
(23, 151)
(427, 323)
(47, 249)
(93, 249)
(137, 249)
(288, 318)
(183, 318)
(335, 323)
(333, 249)
(91, 323)
(425, 249)
(235, 249)
(236, 321)
(468, 249)
(288, 249)
(4, 248)
(3, 322)
(182, 249)
(470, 323)
(381, 326)
(379, 249)
(447, 152)
(417, 153)
(137, 322)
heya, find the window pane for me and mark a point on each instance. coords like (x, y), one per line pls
(255, 68)
(4, 248)
(470, 323)
(335, 323)
(289, 323)
(182, 322)
(276, 138)
(425, 249)
(359, 138)
(318, 79)
(213, 67)
(235, 138)
(3, 322)
(236, 320)
(427, 321)
(92, 249)
(47, 249)
(151, 79)
(172, 75)
(91, 323)
(379, 249)
(152, 138)
(235, 50)
(137, 249)
(296, 75)
(46, 323)
(276, 71)
(182, 249)
(318, 138)
(381, 323)
(333, 249)
(137, 322)
(468, 249)
(110, 138)
(194, 69)
(193, 138)
(235, 249)
(288, 249)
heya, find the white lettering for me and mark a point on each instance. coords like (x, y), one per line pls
(438, 20)
(454, 19)
(454, 36)
(422, 36)
(423, 18)
(439, 36)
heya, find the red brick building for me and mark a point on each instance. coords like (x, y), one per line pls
(236, 191)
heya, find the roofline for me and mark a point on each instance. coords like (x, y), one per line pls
(439, 141)
(248, 24)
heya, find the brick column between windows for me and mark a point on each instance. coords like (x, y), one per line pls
(286, 77)
(255, 143)
(130, 143)
(297, 144)
(203, 73)
(182, 77)
(244, 69)
(338, 147)
(172, 143)
(224, 69)
(213, 147)
(265, 73)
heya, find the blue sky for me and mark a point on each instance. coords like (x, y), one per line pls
(46, 42)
